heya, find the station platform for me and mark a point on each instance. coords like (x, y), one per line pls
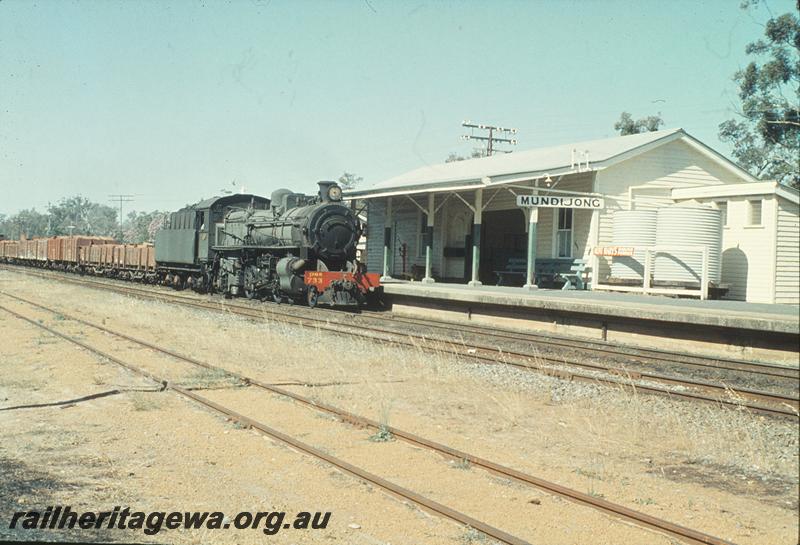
(731, 328)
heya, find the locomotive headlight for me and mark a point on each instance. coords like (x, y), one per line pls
(335, 193)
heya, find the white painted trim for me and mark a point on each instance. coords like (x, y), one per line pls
(465, 202)
(441, 204)
(774, 244)
(554, 242)
(726, 190)
(595, 227)
(413, 191)
(788, 193)
(677, 135)
(424, 211)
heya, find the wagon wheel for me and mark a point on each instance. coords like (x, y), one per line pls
(312, 297)
(250, 279)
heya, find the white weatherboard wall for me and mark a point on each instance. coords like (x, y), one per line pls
(787, 270)
(760, 263)
(671, 166)
(748, 260)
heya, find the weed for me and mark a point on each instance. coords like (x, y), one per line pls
(471, 535)
(205, 378)
(587, 473)
(462, 463)
(382, 435)
(238, 425)
(595, 494)
(144, 402)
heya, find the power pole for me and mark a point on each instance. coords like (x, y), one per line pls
(119, 198)
(490, 139)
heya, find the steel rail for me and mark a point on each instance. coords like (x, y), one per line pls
(603, 347)
(637, 353)
(392, 488)
(786, 406)
(641, 354)
(642, 519)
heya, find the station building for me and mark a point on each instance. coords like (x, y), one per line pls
(510, 218)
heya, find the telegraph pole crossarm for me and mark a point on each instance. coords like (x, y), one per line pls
(121, 198)
(491, 138)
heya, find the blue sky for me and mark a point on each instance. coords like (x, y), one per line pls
(172, 101)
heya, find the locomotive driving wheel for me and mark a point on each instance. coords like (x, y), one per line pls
(250, 282)
(312, 296)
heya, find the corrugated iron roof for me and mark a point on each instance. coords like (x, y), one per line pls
(539, 160)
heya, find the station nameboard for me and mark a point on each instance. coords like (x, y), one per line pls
(614, 251)
(532, 201)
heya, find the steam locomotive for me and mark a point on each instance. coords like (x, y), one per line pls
(291, 247)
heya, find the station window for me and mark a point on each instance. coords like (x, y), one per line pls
(564, 234)
(723, 212)
(422, 226)
(754, 212)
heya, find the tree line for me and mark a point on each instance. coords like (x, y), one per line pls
(80, 216)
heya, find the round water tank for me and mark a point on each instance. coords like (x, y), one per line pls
(687, 226)
(635, 228)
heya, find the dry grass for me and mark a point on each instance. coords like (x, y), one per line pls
(144, 401)
(458, 392)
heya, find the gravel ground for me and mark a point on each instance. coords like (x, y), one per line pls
(723, 471)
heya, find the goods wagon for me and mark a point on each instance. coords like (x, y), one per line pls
(72, 246)
(55, 248)
(41, 249)
(25, 249)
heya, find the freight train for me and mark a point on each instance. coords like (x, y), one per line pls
(289, 248)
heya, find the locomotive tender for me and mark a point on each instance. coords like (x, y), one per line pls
(292, 247)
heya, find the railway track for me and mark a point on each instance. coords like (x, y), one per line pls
(556, 365)
(638, 518)
(603, 347)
